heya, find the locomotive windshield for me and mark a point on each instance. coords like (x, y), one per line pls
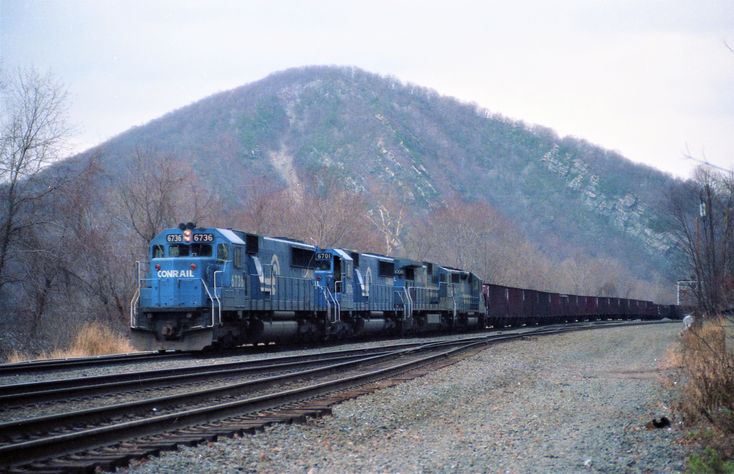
(193, 250)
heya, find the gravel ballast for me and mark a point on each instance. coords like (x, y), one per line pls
(210, 359)
(571, 403)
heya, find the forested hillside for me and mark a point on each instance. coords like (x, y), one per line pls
(384, 137)
(342, 157)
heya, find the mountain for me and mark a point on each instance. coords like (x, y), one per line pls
(567, 195)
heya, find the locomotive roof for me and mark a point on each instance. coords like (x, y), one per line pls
(384, 258)
(343, 254)
(406, 262)
(295, 243)
(453, 270)
(231, 236)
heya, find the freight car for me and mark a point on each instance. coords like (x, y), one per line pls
(215, 287)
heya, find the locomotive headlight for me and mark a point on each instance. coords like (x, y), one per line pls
(187, 235)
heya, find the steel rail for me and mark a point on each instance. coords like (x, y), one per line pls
(76, 387)
(152, 381)
(19, 368)
(48, 423)
(21, 453)
(34, 392)
(81, 362)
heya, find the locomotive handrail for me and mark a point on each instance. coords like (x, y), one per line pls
(133, 307)
(272, 281)
(206, 288)
(219, 302)
(136, 296)
(409, 314)
(337, 306)
(406, 302)
(452, 294)
(328, 297)
(402, 300)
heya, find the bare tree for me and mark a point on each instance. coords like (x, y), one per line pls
(264, 208)
(159, 191)
(330, 215)
(703, 219)
(323, 211)
(474, 237)
(466, 235)
(389, 218)
(104, 291)
(31, 136)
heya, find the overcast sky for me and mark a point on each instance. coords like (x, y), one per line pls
(649, 79)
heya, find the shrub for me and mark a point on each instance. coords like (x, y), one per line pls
(709, 462)
(709, 370)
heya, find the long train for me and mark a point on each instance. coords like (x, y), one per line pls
(213, 287)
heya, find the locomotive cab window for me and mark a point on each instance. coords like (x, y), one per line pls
(157, 251)
(222, 252)
(178, 250)
(193, 250)
(252, 243)
(238, 262)
(201, 250)
(409, 273)
(337, 266)
(302, 258)
(386, 269)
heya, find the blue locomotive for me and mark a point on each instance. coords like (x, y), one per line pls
(214, 287)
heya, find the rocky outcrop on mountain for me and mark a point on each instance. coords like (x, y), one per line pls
(384, 137)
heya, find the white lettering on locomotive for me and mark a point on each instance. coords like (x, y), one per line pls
(175, 274)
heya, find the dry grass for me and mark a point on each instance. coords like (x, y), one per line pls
(708, 394)
(673, 358)
(16, 356)
(709, 367)
(92, 339)
(669, 366)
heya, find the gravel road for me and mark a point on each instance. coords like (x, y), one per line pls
(571, 403)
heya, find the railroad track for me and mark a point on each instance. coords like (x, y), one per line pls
(32, 366)
(29, 367)
(80, 363)
(108, 436)
(54, 365)
(72, 388)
